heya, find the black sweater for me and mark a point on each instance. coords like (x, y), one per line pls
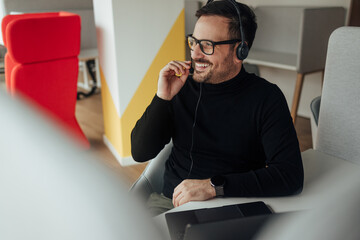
(243, 131)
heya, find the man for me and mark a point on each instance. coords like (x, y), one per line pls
(232, 131)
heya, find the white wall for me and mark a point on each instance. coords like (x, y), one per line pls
(2, 14)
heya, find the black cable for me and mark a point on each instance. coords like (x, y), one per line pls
(192, 131)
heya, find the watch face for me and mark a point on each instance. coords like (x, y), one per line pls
(218, 180)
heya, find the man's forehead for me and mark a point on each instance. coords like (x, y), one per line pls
(212, 27)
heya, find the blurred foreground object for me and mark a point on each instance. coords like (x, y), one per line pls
(51, 190)
(336, 218)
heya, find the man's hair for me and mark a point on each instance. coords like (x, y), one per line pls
(226, 9)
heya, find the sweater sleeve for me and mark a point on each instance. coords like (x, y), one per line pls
(152, 131)
(283, 174)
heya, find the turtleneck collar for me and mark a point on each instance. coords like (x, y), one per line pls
(230, 84)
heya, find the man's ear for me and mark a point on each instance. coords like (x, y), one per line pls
(236, 59)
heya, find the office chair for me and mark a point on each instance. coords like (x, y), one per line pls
(88, 42)
(338, 127)
(42, 65)
(151, 179)
(314, 118)
(252, 68)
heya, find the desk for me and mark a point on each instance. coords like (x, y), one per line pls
(321, 172)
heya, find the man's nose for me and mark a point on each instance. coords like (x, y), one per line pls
(196, 52)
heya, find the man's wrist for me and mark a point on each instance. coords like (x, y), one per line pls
(218, 182)
(163, 97)
(212, 189)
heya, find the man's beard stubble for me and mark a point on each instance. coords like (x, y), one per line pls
(212, 76)
(196, 75)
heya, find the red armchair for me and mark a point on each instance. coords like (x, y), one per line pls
(42, 65)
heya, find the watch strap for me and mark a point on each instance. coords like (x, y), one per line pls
(219, 190)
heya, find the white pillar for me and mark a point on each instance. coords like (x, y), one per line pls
(135, 40)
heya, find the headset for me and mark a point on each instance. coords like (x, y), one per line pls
(242, 50)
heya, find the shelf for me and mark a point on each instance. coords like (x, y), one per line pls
(272, 59)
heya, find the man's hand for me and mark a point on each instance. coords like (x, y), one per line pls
(193, 190)
(172, 78)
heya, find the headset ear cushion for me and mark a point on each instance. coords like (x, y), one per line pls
(242, 51)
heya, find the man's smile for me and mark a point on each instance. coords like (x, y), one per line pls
(201, 66)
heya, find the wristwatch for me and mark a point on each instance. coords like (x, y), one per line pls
(218, 183)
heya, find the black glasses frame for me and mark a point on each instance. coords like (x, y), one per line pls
(232, 41)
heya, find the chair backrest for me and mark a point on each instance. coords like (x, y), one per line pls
(339, 125)
(152, 178)
(40, 47)
(42, 65)
(34, 5)
(84, 8)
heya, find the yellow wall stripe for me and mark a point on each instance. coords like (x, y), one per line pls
(112, 125)
(172, 48)
(118, 130)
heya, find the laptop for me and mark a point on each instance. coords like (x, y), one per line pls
(179, 222)
(245, 228)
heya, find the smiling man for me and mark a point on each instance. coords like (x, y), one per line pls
(232, 132)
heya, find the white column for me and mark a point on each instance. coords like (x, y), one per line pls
(135, 40)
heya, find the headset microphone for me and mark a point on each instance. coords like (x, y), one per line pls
(191, 70)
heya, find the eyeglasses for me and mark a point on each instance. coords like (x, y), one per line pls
(207, 46)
